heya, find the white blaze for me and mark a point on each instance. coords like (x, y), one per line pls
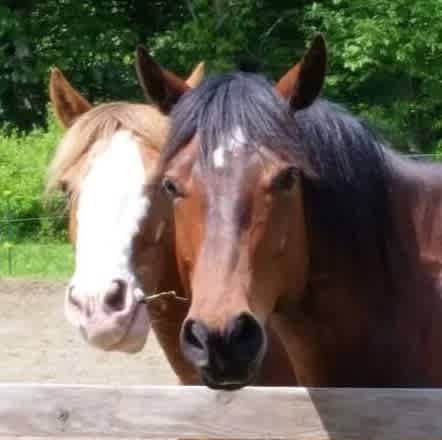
(218, 157)
(110, 207)
(230, 145)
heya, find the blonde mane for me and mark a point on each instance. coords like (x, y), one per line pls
(81, 141)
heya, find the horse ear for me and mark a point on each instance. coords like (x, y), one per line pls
(159, 85)
(68, 102)
(196, 76)
(302, 84)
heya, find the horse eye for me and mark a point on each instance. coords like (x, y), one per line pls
(66, 189)
(286, 179)
(64, 186)
(171, 188)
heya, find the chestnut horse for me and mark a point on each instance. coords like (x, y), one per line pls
(287, 209)
(105, 158)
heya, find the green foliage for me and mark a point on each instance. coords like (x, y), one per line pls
(212, 34)
(23, 163)
(386, 62)
(221, 32)
(92, 41)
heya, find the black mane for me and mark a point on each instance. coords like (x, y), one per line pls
(346, 169)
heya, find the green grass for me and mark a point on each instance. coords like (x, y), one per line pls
(38, 260)
(24, 158)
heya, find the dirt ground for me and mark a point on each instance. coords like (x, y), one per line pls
(38, 345)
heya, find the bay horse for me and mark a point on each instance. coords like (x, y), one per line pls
(107, 155)
(288, 209)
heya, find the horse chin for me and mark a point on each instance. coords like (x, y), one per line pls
(137, 332)
(227, 384)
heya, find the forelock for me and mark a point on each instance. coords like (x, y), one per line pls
(248, 106)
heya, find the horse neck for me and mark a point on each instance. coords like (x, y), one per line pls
(417, 200)
(331, 334)
(373, 324)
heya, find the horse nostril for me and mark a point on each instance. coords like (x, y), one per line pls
(192, 339)
(115, 297)
(194, 335)
(246, 337)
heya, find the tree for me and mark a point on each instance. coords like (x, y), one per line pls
(223, 31)
(386, 62)
(93, 41)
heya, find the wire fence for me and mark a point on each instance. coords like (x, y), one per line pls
(32, 245)
(37, 256)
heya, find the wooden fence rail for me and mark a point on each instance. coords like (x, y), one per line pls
(196, 412)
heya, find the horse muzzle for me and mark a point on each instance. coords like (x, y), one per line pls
(113, 319)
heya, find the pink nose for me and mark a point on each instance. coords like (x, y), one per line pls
(105, 318)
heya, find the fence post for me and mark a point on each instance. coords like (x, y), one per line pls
(8, 224)
(9, 235)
